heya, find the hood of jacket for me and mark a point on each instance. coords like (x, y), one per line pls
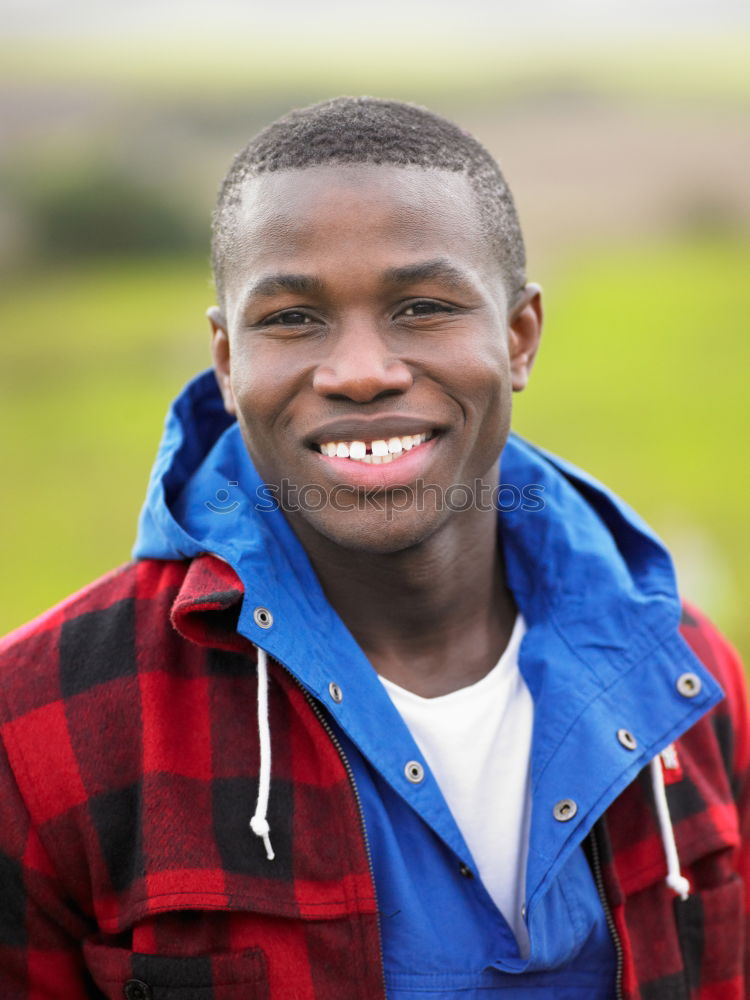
(595, 585)
(575, 553)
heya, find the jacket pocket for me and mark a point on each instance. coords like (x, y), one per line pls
(710, 926)
(119, 973)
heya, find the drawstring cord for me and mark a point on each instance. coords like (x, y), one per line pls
(259, 823)
(675, 879)
(260, 827)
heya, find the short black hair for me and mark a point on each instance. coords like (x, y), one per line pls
(368, 130)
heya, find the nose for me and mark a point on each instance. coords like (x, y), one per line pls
(360, 367)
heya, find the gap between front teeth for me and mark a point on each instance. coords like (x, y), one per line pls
(377, 452)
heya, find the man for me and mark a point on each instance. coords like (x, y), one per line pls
(375, 711)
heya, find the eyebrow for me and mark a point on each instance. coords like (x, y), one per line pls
(273, 284)
(438, 269)
(428, 270)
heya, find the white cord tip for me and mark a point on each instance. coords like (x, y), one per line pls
(259, 826)
(679, 885)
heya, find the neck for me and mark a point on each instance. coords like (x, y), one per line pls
(434, 617)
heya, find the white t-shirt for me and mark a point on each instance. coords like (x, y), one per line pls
(477, 742)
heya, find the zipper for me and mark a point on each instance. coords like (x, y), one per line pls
(596, 869)
(319, 714)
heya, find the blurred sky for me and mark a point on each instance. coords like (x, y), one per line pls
(469, 19)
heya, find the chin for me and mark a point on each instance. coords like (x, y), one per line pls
(375, 532)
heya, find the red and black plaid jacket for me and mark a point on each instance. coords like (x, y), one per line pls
(129, 774)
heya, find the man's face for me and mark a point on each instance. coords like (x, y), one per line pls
(363, 314)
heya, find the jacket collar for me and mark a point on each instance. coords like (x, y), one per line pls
(208, 604)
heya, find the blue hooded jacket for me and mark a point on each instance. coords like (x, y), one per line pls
(602, 653)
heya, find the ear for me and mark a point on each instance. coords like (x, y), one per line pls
(524, 333)
(221, 357)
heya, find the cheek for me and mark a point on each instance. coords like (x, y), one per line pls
(260, 388)
(269, 388)
(249, 392)
(482, 379)
(487, 396)
(254, 404)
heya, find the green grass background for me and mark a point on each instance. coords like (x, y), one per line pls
(641, 378)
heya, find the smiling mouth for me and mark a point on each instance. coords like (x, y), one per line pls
(377, 452)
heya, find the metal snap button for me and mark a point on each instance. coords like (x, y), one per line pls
(565, 810)
(689, 685)
(465, 871)
(263, 617)
(414, 772)
(626, 739)
(135, 989)
(335, 692)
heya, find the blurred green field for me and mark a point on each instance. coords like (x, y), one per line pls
(641, 380)
(488, 67)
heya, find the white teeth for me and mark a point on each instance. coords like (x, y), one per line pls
(377, 452)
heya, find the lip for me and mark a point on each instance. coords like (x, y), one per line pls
(408, 468)
(375, 428)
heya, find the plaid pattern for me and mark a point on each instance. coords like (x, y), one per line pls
(697, 949)
(126, 863)
(127, 868)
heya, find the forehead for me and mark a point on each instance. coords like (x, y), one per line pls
(355, 213)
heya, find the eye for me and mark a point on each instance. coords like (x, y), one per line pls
(290, 317)
(425, 307)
